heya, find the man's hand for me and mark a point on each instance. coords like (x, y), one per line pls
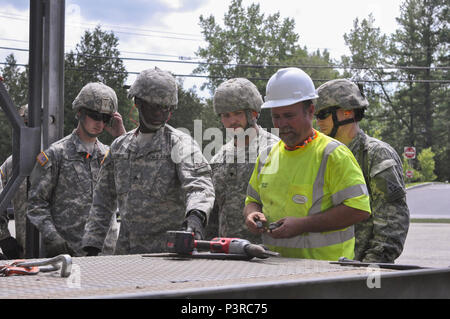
(56, 245)
(194, 223)
(288, 227)
(117, 128)
(255, 222)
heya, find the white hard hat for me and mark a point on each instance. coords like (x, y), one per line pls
(288, 86)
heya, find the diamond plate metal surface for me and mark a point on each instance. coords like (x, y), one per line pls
(135, 274)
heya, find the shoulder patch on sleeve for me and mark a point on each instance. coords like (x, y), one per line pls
(1, 172)
(104, 157)
(384, 165)
(42, 158)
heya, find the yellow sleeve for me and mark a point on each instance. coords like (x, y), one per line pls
(346, 180)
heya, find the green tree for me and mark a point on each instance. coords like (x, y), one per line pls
(15, 80)
(369, 50)
(427, 165)
(248, 43)
(16, 84)
(191, 108)
(422, 40)
(417, 175)
(95, 59)
(408, 104)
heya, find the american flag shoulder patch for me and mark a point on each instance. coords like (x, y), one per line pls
(42, 158)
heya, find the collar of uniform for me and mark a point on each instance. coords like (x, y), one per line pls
(79, 147)
(304, 144)
(154, 146)
(359, 140)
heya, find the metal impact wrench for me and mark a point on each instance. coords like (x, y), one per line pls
(182, 242)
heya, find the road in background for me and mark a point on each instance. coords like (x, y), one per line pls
(431, 200)
(427, 244)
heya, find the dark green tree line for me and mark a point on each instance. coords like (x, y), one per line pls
(95, 59)
(413, 112)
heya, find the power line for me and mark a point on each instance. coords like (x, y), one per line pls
(387, 67)
(111, 26)
(25, 18)
(14, 49)
(81, 69)
(175, 35)
(14, 40)
(157, 36)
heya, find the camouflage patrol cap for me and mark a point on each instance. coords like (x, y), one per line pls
(342, 93)
(98, 97)
(155, 86)
(235, 95)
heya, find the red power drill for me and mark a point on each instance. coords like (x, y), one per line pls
(184, 243)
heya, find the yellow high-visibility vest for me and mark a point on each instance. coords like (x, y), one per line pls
(308, 181)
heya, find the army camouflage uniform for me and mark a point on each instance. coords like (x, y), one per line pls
(19, 202)
(233, 164)
(230, 179)
(61, 191)
(381, 237)
(153, 187)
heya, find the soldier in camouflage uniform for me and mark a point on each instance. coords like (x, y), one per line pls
(14, 246)
(10, 248)
(64, 176)
(381, 237)
(155, 175)
(238, 103)
(19, 205)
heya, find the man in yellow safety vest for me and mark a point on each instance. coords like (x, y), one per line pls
(308, 188)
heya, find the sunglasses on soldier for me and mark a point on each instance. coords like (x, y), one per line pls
(97, 116)
(323, 114)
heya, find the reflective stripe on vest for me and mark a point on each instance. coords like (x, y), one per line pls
(311, 240)
(253, 193)
(316, 240)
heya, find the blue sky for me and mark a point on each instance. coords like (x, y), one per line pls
(168, 29)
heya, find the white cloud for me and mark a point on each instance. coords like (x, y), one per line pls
(173, 4)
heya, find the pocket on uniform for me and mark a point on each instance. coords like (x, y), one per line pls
(159, 176)
(122, 167)
(74, 175)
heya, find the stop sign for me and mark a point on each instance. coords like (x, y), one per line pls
(410, 152)
(409, 173)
